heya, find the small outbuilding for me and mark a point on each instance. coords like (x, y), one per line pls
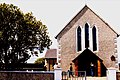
(50, 58)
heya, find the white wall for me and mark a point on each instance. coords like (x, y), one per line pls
(118, 48)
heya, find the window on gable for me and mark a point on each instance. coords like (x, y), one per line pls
(94, 39)
(86, 35)
(79, 39)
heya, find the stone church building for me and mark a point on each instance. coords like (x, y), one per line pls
(87, 39)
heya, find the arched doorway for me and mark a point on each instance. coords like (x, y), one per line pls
(91, 63)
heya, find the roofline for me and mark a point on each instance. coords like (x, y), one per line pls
(82, 53)
(104, 22)
(70, 21)
(51, 57)
(118, 35)
(95, 14)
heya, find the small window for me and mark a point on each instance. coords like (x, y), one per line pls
(86, 35)
(79, 39)
(94, 39)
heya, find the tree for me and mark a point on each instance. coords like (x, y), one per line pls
(40, 61)
(19, 34)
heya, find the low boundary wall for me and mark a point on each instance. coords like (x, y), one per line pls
(26, 75)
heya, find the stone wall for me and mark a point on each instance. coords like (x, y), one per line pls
(106, 40)
(8, 75)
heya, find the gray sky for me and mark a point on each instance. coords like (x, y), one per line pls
(55, 14)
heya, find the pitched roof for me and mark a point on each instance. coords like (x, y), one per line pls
(75, 18)
(51, 53)
(87, 53)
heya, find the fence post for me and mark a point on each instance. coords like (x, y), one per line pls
(57, 74)
(111, 74)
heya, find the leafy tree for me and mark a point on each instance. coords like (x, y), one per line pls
(19, 34)
(40, 61)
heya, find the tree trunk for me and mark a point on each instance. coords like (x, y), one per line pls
(6, 60)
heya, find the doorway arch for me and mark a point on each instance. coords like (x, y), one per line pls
(91, 63)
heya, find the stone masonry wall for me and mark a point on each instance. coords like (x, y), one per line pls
(106, 40)
(26, 76)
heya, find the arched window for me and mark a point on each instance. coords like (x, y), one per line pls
(94, 38)
(79, 39)
(86, 35)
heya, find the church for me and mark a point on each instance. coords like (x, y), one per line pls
(87, 40)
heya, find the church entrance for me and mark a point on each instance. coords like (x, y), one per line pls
(89, 62)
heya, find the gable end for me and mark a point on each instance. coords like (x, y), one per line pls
(76, 18)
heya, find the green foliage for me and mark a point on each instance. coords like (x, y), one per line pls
(19, 33)
(40, 61)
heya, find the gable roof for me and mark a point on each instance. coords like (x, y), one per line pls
(75, 18)
(87, 53)
(51, 53)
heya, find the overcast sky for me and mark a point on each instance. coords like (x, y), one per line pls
(55, 14)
